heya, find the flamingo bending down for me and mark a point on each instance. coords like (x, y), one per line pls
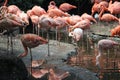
(72, 20)
(83, 24)
(38, 11)
(62, 24)
(31, 41)
(103, 45)
(89, 17)
(107, 16)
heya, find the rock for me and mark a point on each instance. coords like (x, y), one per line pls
(77, 73)
(12, 69)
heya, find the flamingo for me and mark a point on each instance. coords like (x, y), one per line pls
(76, 34)
(83, 24)
(35, 20)
(25, 18)
(31, 41)
(89, 17)
(97, 6)
(115, 31)
(104, 44)
(9, 22)
(14, 9)
(56, 13)
(72, 20)
(107, 16)
(47, 23)
(38, 11)
(114, 8)
(66, 7)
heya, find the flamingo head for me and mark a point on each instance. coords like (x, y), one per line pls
(42, 40)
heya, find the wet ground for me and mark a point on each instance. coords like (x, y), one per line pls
(56, 59)
(59, 51)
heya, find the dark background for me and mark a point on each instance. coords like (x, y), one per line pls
(82, 5)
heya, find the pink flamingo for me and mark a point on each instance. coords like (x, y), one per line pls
(47, 23)
(76, 34)
(115, 31)
(66, 7)
(104, 44)
(31, 41)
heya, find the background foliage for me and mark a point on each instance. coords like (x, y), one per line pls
(82, 5)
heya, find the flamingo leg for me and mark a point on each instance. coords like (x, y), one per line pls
(11, 44)
(56, 33)
(87, 41)
(48, 42)
(76, 50)
(7, 44)
(31, 61)
(23, 30)
(107, 59)
(33, 28)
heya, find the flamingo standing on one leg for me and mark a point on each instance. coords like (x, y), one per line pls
(9, 22)
(34, 15)
(47, 23)
(76, 34)
(31, 41)
(62, 23)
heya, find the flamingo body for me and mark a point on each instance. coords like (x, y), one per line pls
(115, 31)
(66, 7)
(76, 34)
(31, 41)
(104, 44)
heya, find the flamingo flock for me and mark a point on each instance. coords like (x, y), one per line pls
(59, 18)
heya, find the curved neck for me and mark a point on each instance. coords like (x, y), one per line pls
(6, 1)
(26, 51)
(110, 2)
(102, 11)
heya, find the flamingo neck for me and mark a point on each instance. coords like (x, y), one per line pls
(100, 15)
(25, 53)
(6, 1)
(110, 2)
